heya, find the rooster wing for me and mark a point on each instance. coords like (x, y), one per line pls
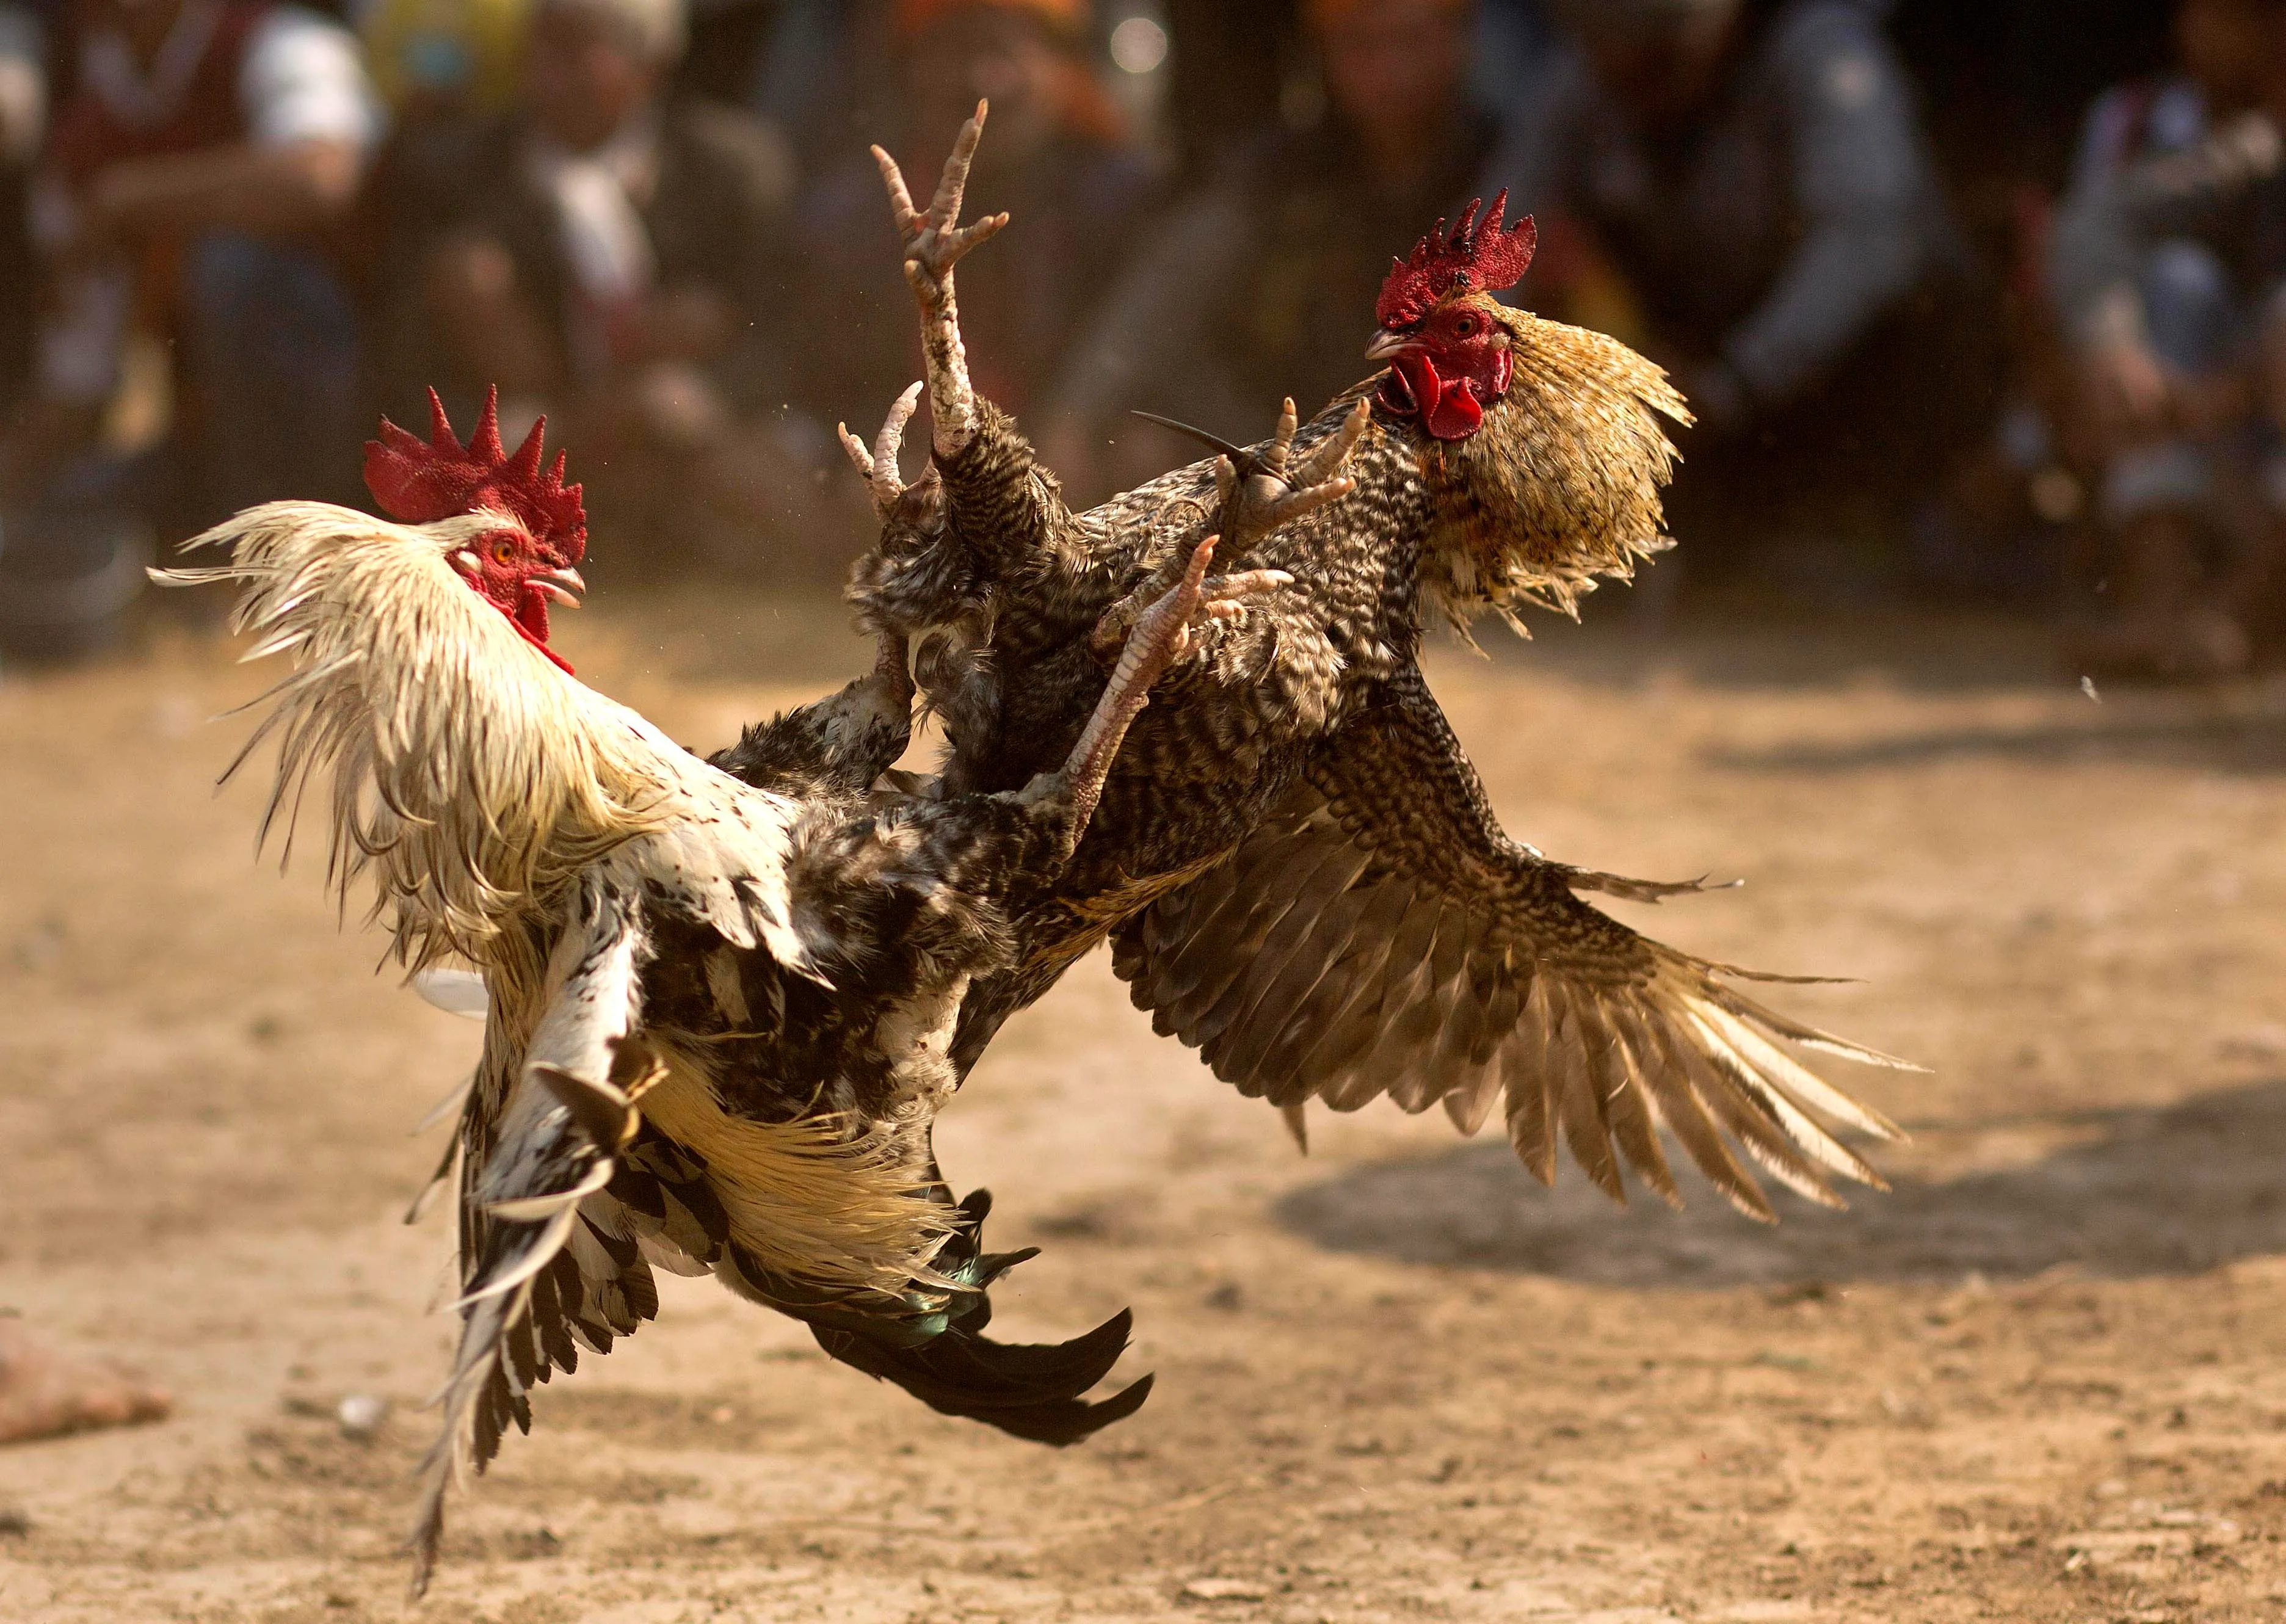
(1379, 933)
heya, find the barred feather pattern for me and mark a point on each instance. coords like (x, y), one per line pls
(1378, 935)
(1294, 860)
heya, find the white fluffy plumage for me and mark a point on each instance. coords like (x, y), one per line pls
(470, 779)
(509, 816)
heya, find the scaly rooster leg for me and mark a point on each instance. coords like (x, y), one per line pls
(893, 671)
(1226, 596)
(934, 243)
(1156, 637)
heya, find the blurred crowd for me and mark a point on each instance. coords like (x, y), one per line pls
(1980, 301)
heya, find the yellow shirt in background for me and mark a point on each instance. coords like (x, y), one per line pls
(466, 53)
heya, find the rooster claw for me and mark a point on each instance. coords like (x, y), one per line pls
(1272, 489)
(1175, 613)
(878, 466)
(1259, 491)
(934, 242)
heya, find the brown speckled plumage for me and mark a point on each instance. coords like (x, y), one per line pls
(1293, 858)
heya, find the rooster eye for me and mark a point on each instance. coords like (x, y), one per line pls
(1465, 327)
(503, 552)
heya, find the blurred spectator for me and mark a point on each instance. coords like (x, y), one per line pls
(2004, 84)
(23, 126)
(448, 69)
(1262, 284)
(1755, 171)
(2168, 263)
(611, 255)
(445, 59)
(1056, 157)
(804, 77)
(191, 175)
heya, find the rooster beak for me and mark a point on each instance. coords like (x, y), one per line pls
(1387, 345)
(561, 586)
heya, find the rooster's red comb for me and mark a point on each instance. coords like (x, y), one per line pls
(417, 481)
(1482, 255)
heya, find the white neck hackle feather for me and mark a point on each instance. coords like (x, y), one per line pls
(476, 783)
(471, 778)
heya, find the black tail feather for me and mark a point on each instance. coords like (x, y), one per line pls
(959, 1375)
(1029, 1390)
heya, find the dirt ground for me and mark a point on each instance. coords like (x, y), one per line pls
(2041, 1380)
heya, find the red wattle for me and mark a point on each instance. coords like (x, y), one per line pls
(1450, 409)
(536, 610)
(1457, 414)
(1413, 386)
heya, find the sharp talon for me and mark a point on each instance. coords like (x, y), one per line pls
(901, 197)
(1335, 451)
(1252, 583)
(892, 438)
(1200, 557)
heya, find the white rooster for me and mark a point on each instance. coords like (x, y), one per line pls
(719, 1006)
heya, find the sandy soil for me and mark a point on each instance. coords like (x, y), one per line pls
(2039, 1381)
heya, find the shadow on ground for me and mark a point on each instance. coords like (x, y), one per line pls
(2176, 1191)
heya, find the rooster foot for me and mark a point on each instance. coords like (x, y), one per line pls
(878, 466)
(1219, 597)
(1151, 638)
(935, 241)
(1260, 492)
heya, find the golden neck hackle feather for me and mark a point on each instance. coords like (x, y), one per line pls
(1559, 487)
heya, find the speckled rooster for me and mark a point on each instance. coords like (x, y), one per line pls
(1295, 862)
(721, 995)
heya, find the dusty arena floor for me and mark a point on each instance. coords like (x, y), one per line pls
(2044, 1379)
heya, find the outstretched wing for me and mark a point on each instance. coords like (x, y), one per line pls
(550, 1261)
(1380, 934)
